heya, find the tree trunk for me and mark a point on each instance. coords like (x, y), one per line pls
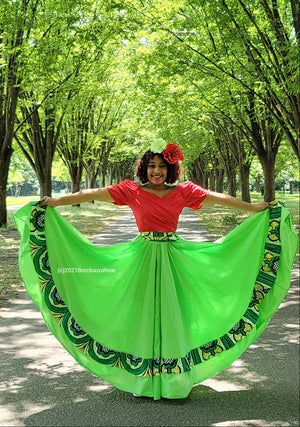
(7, 122)
(244, 170)
(75, 172)
(39, 145)
(198, 173)
(102, 178)
(230, 172)
(231, 176)
(109, 176)
(43, 172)
(75, 184)
(212, 180)
(104, 166)
(45, 187)
(268, 165)
(91, 170)
(4, 169)
(11, 78)
(91, 180)
(220, 180)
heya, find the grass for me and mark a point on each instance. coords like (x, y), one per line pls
(90, 219)
(16, 201)
(219, 220)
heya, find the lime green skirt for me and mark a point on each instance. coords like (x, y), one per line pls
(159, 314)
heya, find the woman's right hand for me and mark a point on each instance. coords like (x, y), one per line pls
(48, 201)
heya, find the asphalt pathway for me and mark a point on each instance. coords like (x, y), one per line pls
(41, 384)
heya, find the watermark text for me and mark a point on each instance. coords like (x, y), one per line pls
(80, 270)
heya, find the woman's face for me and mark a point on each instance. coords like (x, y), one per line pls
(157, 171)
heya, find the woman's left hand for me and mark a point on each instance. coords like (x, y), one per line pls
(261, 206)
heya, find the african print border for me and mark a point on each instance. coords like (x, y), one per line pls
(137, 365)
(158, 236)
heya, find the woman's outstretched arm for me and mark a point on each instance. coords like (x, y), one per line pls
(101, 194)
(233, 202)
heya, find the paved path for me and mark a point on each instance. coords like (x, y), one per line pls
(41, 384)
(125, 229)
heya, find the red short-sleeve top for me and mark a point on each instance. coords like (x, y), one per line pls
(154, 213)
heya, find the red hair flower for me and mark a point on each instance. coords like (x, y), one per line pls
(172, 153)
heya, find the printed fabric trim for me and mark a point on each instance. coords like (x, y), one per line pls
(134, 364)
(158, 236)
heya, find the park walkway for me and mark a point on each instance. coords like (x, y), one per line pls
(41, 384)
(125, 229)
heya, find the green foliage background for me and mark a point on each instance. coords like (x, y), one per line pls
(98, 80)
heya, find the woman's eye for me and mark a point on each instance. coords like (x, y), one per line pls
(160, 166)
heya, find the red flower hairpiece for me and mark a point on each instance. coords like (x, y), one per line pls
(172, 153)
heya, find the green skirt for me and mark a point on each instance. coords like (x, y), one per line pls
(159, 314)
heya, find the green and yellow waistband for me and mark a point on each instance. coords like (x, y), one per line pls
(155, 235)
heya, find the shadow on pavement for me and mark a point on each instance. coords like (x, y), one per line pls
(204, 407)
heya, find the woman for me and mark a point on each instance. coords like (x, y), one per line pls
(159, 314)
(153, 171)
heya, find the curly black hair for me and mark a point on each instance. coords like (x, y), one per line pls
(174, 169)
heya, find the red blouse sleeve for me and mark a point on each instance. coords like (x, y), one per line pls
(193, 194)
(124, 192)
